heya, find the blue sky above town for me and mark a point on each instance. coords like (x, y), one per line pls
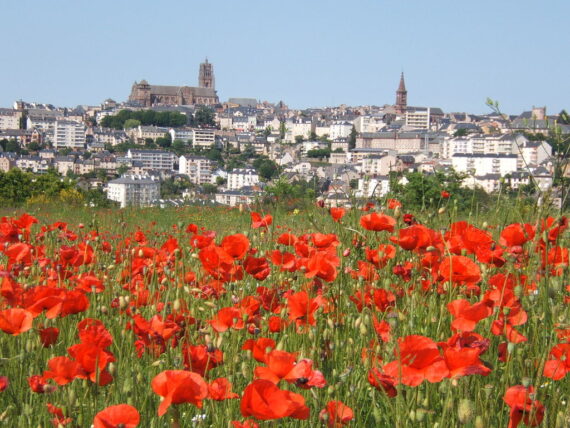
(313, 53)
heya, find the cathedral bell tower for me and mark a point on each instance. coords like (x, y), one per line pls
(206, 76)
(401, 97)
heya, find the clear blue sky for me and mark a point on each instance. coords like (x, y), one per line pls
(454, 53)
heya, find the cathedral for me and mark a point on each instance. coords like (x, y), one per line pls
(146, 95)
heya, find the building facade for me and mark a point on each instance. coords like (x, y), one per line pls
(133, 190)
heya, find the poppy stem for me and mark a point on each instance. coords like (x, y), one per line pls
(175, 417)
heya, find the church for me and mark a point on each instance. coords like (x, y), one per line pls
(146, 95)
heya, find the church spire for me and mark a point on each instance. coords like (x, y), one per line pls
(401, 96)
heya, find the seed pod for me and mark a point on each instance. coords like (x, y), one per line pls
(465, 410)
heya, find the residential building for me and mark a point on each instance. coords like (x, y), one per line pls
(69, 134)
(132, 190)
(234, 198)
(479, 164)
(153, 159)
(197, 168)
(242, 177)
(373, 187)
(203, 137)
(9, 119)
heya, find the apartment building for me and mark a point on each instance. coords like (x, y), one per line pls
(153, 159)
(133, 190)
(68, 134)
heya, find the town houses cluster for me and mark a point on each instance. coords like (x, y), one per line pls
(345, 152)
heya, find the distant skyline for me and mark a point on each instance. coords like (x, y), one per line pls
(313, 53)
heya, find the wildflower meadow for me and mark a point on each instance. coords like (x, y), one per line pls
(373, 316)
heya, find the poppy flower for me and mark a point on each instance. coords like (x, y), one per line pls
(283, 365)
(119, 416)
(466, 316)
(63, 370)
(523, 407)
(221, 389)
(558, 364)
(263, 400)
(445, 194)
(257, 221)
(383, 382)
(235, 245)
(419, 360)
(39, 385)
(377, 222)
(15, 321)
(336, 414)
(59, 418)
(464, 361)
(201, 358)
(48, 336)
(259, 347)
(3, 383)
(393, 204)
(302, 308)
(257, 267)
(517, 234)
(337, 213)
(460, 270)
(179, 386)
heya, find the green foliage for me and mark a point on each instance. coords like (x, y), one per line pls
(319, 153)
(461, 132)
(17, 187)
(174, 187)
(209, 189)
(144, 117)
(132, 123)
(204, 116)
(165, 141)
(266, 168)
(282, 189)
(423, 191)
(10, 145)
(352, 138)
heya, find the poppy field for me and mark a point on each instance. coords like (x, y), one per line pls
(365, 317)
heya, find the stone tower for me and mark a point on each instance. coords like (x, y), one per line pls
(206, 76)
(401, 97)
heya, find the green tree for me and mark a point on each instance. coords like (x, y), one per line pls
(209, 189)
(132, 123)
(352, 138)
(204, 116)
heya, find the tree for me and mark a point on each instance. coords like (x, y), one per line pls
(122, 169)
(209, 189)
(563, 118)
(132, 123)
(352, 138)
(461, 132)
(204, 116)
(266, 168)
(220, 181)
(179, 147)
(165, 141)
(12, 146)
(282, 129)
(313, 136)
(299, 139)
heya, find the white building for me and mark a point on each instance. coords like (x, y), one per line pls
(242, 177)
(418, 118)
(373, 187)
(481, 144)
(197, 168)
(369, 124)
(69, 134)
(134, 190)
(236, 197)
(340, 130)
(153, 159)
(534, 153)
(182, 134)
(203, 137)
(9, 119)
(479, 165)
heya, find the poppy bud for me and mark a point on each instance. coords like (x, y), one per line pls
(176, 305)
(479, 422)
(441, 210)
(412, 415)
(465, 410)
(103, 309)
(112, 368)
(363, 330)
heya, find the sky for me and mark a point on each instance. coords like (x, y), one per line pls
(307, 53)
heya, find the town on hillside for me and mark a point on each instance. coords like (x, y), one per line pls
(175, 145)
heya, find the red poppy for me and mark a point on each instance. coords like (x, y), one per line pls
(235, 245)
(419, 360)
(517, 234)
(460, 270)
(466, 316)
(201, 358)
(393, 204)
(179, 386)
(257, 267)
(302, 308)
(48, 336)
(464, 362)
(523, 407)
(558, 364)
(383, 382)
(119, 416)
(336, 414)
(337, 213)
(3, 383)
(445, 194)
(63, 370)
(283, 365)
(221, 389)
(39, 385)
(15, 321)
(245, 424)
(377, 222)
(259, 347)
(59, 418)
(257, 221)
(263, 400)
